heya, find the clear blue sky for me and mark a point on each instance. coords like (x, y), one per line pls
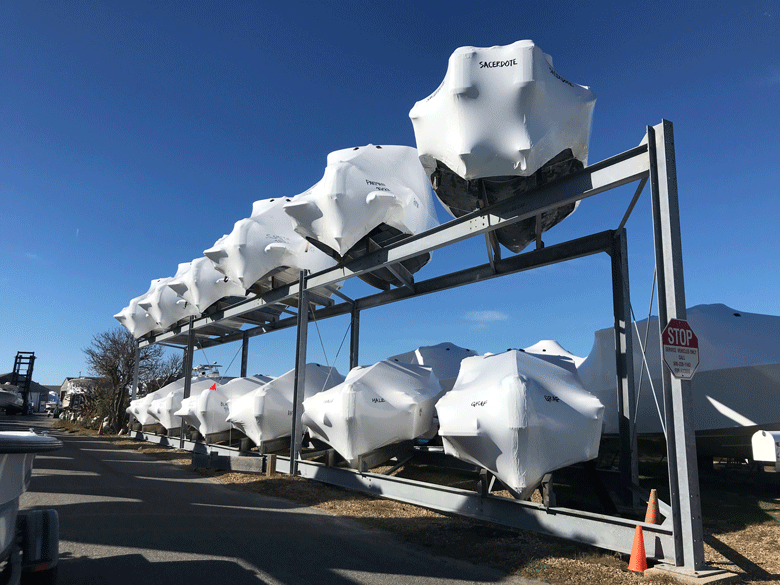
(134, 134)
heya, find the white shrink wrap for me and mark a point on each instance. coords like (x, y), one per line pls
(371, 192)
(207, 409)
(734, 391)
(503, 121)
(444, 359)
(265, 414)
(519, 417)
(375, 406)
(169, 399)
(162, 408)
(139, 407)
(552, 351)
(135, 319)
(202, 285)
(263, 245)
(164, 305)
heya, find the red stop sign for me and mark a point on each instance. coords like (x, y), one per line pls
(681, 349)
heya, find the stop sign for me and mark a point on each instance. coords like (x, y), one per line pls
(681, 349)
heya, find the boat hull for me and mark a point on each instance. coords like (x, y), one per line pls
(17, 455)
(519, 417)
(11, 400)
(502, 123)
(265, 414)
(444, 359)
(733, 392)
(369, 197)
(380, 405)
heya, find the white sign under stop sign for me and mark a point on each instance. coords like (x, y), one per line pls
(681, 349)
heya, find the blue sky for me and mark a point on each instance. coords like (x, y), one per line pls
(134, 134)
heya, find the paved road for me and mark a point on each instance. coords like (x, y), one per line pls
(128, 518)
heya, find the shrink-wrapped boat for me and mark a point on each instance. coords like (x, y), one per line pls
(168, 398)
(375, 406)
(501, 123)
(36, 540)
(368, 197)
(265, 413)
(207, 410)
(444, 359)
(164, 306)
(519, 417)
(733, 391)
(135, 319)
(552, 351)
(265, 246)
(202, 285)
(139, 407)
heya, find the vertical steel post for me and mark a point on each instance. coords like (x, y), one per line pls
(187, 376)
(681, 440)
(244, 354)
(300, 373)
(134, 388)
(354, 337)
(624, 356)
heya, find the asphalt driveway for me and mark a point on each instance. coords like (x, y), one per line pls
(128, 518)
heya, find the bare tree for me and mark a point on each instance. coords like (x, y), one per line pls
(111, 356)
(169, 370)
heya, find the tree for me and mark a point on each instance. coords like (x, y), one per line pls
(111, 356)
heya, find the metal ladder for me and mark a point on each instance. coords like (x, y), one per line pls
(22, 374)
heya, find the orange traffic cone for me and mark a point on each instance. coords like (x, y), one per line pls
(638, 561)
(652, 508)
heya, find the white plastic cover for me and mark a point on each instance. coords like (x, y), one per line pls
(552, 351)
(263, 244)
(135, 318)
(501, 111)
(168, 399)
(362, 188)
(519, 417)
(201, 285)
(207, 410)
(444, 359)
(139, 407)
(162, 408)
(736, 384)
(265, 414)
(375, 406)
(164, 305)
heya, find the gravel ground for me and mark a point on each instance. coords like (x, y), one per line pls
(741, 524)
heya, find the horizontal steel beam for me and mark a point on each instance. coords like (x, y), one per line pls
(607, 532)
(579, 248)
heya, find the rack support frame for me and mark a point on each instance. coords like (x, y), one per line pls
(679, 541)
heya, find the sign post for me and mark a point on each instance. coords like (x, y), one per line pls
(681, 349)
